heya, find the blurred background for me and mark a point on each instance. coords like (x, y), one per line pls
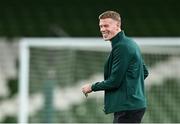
(76, 19)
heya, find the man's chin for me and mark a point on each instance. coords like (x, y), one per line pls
(106, 39)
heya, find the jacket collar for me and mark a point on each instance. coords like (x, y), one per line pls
(117, 38)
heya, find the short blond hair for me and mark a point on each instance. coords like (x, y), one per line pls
(110, 14)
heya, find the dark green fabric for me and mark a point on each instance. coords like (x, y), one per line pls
(124, 74)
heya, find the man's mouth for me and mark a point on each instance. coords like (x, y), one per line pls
(105, 34)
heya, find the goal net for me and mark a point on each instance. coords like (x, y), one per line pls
(53, 70)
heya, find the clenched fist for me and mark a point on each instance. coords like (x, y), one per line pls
(86, 89)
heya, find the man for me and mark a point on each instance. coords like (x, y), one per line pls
(124, 73)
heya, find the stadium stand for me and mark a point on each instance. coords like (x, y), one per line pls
(8, 69)
(44, 18)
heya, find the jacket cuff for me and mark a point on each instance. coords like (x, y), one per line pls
(93, 87)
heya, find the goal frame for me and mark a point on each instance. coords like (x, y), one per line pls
(93, 44)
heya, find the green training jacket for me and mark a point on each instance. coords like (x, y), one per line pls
(124, 75)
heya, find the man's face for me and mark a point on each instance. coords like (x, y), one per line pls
(109, 28)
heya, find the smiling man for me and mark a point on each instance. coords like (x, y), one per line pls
(124, 73)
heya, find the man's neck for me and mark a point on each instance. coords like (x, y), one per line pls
(116, 34)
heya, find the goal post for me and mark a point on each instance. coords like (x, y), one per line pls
(49, 65)
(25, 45)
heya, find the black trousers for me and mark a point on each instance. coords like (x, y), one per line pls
(129, 116)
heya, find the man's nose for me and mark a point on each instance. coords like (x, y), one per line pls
(102, 29)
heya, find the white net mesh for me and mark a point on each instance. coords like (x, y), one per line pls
(56, 75)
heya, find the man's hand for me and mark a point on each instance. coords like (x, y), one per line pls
(86, 89)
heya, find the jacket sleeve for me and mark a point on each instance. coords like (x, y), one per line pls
(146, 73)
(119, 68)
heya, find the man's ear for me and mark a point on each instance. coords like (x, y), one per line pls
(119, 24)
